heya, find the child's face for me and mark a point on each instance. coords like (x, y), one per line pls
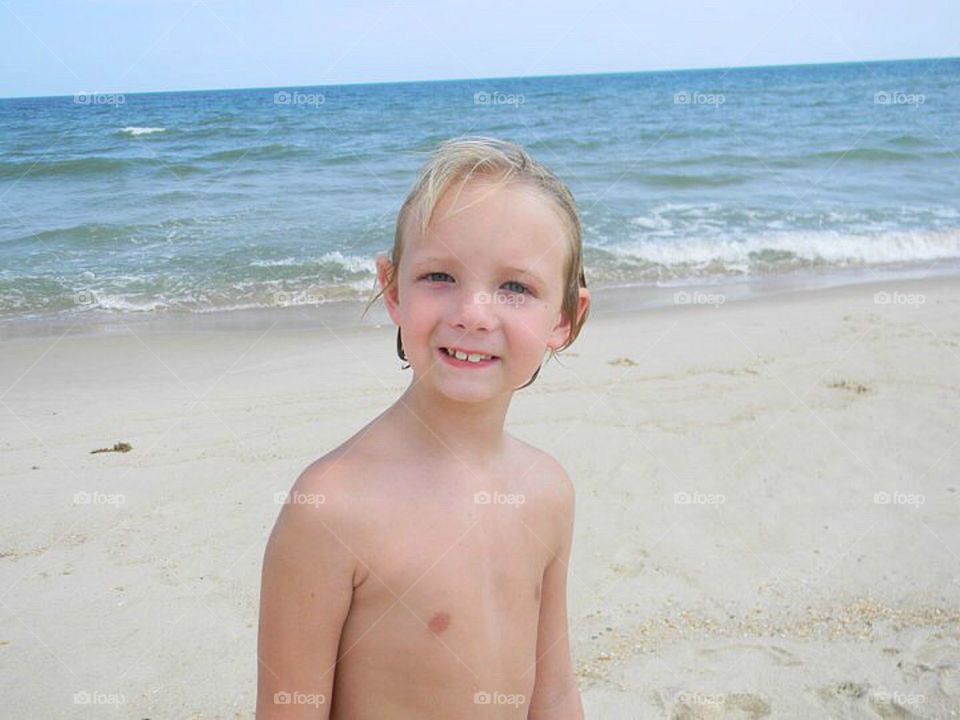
(461, 287)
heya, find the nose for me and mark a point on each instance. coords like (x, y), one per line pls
(474, 311)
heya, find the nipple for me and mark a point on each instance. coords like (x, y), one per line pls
(439, 622)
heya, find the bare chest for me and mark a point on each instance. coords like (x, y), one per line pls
(459, 563)
(451, 596)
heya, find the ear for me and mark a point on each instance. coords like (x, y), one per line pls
(560, 333)
(391, 298)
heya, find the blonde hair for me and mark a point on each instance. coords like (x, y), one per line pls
(457, 160)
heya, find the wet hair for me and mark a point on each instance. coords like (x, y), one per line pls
(458, 160)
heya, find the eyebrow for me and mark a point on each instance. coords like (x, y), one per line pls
(507, 268)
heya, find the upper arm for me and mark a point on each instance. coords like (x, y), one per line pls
(305, 594)
(555, 689)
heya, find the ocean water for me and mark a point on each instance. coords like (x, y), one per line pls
(199, 201)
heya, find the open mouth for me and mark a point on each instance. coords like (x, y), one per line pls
(462, 358)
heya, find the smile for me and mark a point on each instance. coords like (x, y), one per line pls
(460, 358)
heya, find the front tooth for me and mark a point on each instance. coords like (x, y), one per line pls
(459, 355)
(475, 358)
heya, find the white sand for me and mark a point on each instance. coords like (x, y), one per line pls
(799, 596)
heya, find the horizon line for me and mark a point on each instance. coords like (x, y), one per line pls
(501, 77)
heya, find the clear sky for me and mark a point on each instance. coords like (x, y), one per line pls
(61, 47)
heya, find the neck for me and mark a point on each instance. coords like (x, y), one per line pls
(450, 432)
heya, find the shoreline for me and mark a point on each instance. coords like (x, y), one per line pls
(346, 315)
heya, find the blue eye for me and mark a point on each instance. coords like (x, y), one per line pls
(524, 290)
(438, 277)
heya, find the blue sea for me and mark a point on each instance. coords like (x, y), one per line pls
(192, 202)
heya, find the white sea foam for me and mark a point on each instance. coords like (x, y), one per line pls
(350, 263)
(353, 263)
(120, 303)
(283, 262)
(830, 247)
(141, 130)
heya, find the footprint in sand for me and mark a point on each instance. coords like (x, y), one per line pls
(850, 386)
(942, 660)
(844, 699)
(717, 706)
(776, 655)
(885, 707)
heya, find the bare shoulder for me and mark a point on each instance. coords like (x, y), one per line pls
(327, 474)
(329, 502)
(343, 473)
(547, 471)
(313, 559)
(552, 485)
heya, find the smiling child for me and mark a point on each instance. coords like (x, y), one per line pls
(430, 579)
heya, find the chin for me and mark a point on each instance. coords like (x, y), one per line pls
(468, 393)
(465, 394)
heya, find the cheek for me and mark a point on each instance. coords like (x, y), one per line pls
(533, 323)
(421, 315)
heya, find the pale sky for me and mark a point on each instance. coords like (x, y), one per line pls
(62, 47)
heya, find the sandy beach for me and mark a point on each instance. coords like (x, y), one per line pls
(768, 513)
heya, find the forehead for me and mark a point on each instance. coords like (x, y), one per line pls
(485, 219)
